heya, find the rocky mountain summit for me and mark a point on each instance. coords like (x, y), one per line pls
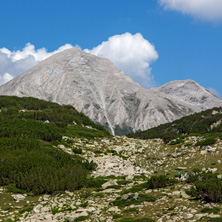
(190, 92)
(108, 96)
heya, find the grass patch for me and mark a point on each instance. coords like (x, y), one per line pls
(81, 218)
(28, 209)
(135, 188)
(209, 210)
(130, 219)
(131, 210)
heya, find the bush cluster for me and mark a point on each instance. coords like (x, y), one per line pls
(206, 186)
(159, 182)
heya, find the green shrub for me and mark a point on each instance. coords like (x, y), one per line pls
(168, 138)
(116, 216)
(177, 141)
(206, 186)
(200, 176)
(94, 182)
(206, 142)
(210, 190)
(12, 188)
(77, 150)
(159, 182)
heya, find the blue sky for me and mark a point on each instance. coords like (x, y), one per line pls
(182, 40)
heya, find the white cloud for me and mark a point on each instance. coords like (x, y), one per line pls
(214, 91)
(210, 10)
(13, 63)
(5, 78)
(130, 53)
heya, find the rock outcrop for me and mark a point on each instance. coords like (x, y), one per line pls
(108, 96)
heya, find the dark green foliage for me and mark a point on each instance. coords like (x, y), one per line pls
(217, 219)
(200, 176)
(177, 141)
(133, 200)
(210, 190)
(123, 182)
(131, 210)
(116, 216)
(33, 112)
(35, 167)
(198, 123)
(55, 210)
(12, 188)
(159, 182)
(114, 187)
(28, 160)
(89, 165)
(77, 150)
(81, 218)
(11, 128)
(94, 182)
(206, 186)
(206, 142)
(196, 170)
(209, 210)
(28, 209)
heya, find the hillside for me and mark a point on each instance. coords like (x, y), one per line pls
(30, 130)
(135, 180)
(108, 96)
(56, 165)
(206, 123)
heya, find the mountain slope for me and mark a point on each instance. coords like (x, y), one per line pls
(30, 161)
(94, 86)
(206, 122)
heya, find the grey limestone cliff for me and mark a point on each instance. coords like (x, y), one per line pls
(108, 96)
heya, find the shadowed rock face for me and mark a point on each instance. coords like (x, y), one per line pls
(108, 96)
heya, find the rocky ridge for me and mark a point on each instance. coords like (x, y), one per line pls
(108, 96)
(124, 163)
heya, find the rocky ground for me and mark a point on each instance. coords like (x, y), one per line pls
(125, 164)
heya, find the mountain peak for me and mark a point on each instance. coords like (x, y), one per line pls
(108, 96)
(192, 93)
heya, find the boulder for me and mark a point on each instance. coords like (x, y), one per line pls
(109, 183)
(187, 215)
(199, 216)
(18, 197)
